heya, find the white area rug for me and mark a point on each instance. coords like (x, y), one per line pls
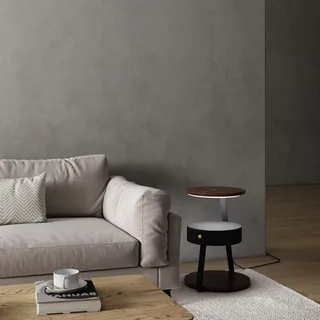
(264, 300)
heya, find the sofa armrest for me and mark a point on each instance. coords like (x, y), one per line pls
(169, 276)
(142, 212)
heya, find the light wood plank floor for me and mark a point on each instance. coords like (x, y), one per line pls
(293, 235)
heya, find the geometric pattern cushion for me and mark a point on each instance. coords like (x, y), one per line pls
(22, 200)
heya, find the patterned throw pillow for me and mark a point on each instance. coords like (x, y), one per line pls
(22, 200)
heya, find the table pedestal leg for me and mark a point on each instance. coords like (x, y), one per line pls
(230, 258)
(202, 258)
(223, 205)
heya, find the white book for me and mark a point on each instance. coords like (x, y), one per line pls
(49, 303)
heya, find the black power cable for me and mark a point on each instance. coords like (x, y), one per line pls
(278, 260)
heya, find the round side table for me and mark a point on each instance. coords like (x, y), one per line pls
(215, 233)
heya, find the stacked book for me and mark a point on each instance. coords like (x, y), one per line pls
(86, 300)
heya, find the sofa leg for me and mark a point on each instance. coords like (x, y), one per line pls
(168, 292)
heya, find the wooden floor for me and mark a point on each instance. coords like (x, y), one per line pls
(293, 234)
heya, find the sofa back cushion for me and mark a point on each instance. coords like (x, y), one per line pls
(74, 186)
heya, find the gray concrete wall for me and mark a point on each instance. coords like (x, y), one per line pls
(171, 91)
(292, 91)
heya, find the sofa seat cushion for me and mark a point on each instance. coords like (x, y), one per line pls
(81, 243)
(74, 186)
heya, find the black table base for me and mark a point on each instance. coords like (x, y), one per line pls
(218, 281)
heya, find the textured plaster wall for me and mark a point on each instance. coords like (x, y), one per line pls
(292, 92)
(172, 91)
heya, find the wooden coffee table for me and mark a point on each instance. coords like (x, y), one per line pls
(123, 297)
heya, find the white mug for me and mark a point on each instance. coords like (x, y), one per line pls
(66, 278)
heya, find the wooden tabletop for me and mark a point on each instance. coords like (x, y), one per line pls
(122, 297)
(215, 192)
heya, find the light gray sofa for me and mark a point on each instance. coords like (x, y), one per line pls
(100, 225)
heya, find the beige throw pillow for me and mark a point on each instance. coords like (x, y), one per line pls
(22, 200)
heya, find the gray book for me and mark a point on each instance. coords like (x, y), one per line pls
(86, 300)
